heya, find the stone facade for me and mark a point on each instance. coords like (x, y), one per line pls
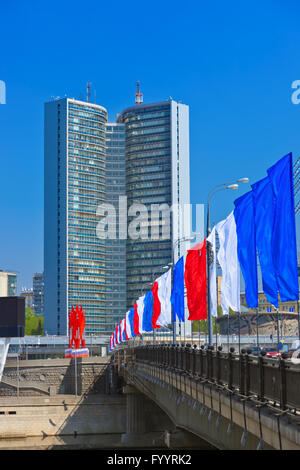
(55, 376)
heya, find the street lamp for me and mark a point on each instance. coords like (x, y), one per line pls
(220, 187)
(189, 238)
(150, 285)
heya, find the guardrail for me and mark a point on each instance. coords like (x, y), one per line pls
(273, 381)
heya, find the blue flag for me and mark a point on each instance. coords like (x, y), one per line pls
(148, 311)
(264, 210)
(130, 317)
(284, 247)
(123, 335)
(246, 246)
(177, 295)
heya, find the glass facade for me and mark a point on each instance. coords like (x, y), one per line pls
(148, 181)
(11, 285)
(89, 162)
(38, 293)
(85, 191)
(115, 280)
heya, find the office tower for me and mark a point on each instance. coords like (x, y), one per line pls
(8, 284)
(38, 293)
(74, 257)
(116, 246)
(157, 173)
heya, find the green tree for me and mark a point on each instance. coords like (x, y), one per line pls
(34, 325)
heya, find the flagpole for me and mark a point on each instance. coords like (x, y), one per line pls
(209, 316)
(277, 329)
(298, 319)
(257, 336)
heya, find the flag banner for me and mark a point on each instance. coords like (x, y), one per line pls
(148, 312)
(195, 277)
(123, 331)
(125, 328)
(212, 266)
(136, 320)
(120, 333)
(177, 295)
(264, 213)
(228, 260)
(156, 305)
(117, 335)
(246, 246)
(164, 283)
(129, 323)
(284, 247)
(140, 311)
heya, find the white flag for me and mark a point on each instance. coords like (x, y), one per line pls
(128, 327)
(212, 273)
(140, 311)
(228, 259)
(164, 295)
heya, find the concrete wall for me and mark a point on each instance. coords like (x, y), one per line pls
(55, 376)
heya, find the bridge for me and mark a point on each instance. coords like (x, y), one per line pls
(228, 400)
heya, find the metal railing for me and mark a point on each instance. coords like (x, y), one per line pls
(273, 382)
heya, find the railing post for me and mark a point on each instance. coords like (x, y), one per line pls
(188, 358)
(247, 375)
(201, 361)
(242, 371)
(177, 357)
(219, 364)
(283, 395)
(194, 352)
(230, 360)
(261, 372)
(210, 364)
(182, 351)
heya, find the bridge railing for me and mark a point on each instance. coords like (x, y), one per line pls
(265, 379)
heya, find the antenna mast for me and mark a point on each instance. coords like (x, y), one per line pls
(88, 91)
(138, 94)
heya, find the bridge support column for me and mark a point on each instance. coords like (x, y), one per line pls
(135, 419)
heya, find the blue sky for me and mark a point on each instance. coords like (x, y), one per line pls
(232, 62)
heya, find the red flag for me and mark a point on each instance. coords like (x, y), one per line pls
(136, 321)
(156, 305)
(117, 337)
(195, 277)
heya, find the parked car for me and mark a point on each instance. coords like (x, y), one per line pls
(271, 352)
(255, 350)
(291, 352)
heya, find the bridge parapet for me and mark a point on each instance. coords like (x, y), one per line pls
(267, 379)
(240, 388)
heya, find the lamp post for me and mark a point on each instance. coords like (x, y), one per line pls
(220, 187)
(154, 273)
(177, 242)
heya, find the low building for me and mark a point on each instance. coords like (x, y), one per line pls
(8, 284)
(264, 305)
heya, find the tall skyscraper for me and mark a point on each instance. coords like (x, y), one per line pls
(142, 158)
(157, 176)
(115, 281)
(74, 257)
